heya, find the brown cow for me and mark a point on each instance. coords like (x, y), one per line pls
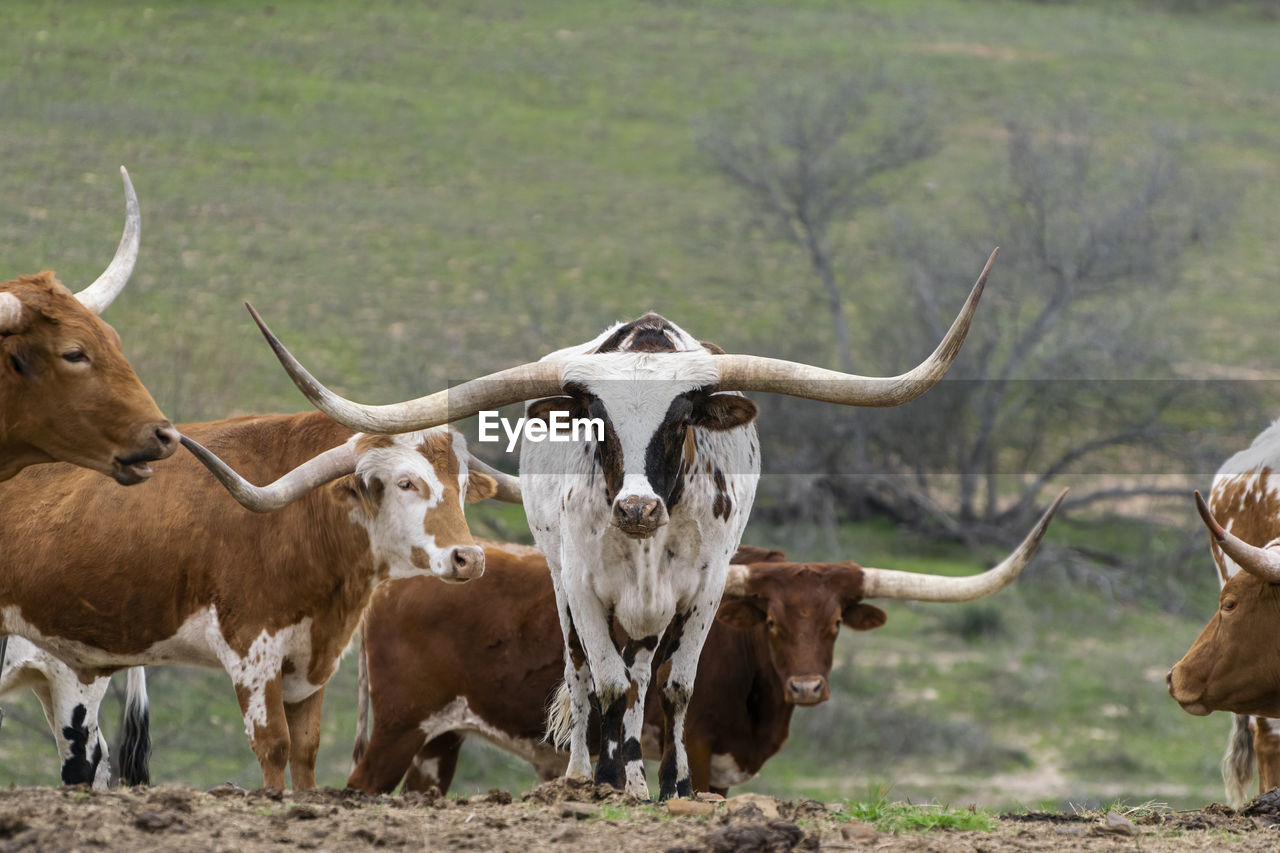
(1228, 668)
(488, 658)
(105, 578)
(66, 391)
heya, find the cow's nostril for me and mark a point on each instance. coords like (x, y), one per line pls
(1168, 678)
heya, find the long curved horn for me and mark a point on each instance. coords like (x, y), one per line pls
(97, 296)
(313, 473)
(757, 373)
(513, 385)
(508, 486)
(10, 312)
(916, 586)
(1262, 563)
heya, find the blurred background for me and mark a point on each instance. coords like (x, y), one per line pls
(414, 194)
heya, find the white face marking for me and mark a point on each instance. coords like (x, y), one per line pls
(636, 390)
(413, 488)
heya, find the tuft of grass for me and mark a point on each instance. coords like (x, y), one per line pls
(889, 816)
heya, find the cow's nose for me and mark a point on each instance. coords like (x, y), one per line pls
(807, 690)
(468, 562)
(1168, 679)
(639, 516)
(167, 439)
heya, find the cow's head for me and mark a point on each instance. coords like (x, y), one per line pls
(801, 606)
(1234, 665)
(406, 490)
(66, 391)
(650, 384)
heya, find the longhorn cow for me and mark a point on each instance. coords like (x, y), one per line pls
(639, 525)
(1232, 664)
(66, 391)
(178, 573)
(769, 652)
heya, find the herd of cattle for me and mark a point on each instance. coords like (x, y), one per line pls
(638, 574)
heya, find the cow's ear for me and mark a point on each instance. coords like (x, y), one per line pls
(540, 410)
(722, 411)
(355, 491)
(740, 611)
(16, 356)
(863, 617)
(480, 486)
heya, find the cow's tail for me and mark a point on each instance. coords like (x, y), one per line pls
(560, 718)
(362, 702)
(1237, 764)
(135, 731)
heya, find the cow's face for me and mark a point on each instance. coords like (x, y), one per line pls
(1234, 665)
(648, 404)
(408, 491)
(800, 607)
(68, 392)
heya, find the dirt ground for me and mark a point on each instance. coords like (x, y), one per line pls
(563, 818)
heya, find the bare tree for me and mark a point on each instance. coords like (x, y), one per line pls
(808, 156)
(1072, 370)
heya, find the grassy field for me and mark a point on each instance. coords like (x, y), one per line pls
(417, 193)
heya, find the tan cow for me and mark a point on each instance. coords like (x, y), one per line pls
(105, 578)
(1231, 666)
(438, 664)
(66, 391)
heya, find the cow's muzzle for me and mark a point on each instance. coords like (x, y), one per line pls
(807, 690)
(153, 442)
(1178, 690)
(639, 517)
(466, 563)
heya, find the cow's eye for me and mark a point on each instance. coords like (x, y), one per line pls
(1228, 605)
(406, 485)
(770, 624)
(75, 356)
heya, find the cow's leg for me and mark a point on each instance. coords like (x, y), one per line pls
(389, 754)
(577, 679)
(81, 745)
(303, 719)
(610, 679)
(685, 636)
(435, 764)
(262, 705)
(1266, 745)
(638, 656)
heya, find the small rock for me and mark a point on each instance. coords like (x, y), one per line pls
(859, 832)
(680, 808)
(767, 805)
(156, 821)
(1119, 824)
(578, 811)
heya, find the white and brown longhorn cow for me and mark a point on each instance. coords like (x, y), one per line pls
(1233, 666)
(105, 579)
(639, 526)
(66, 391)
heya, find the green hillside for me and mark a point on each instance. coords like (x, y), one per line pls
(414, 194)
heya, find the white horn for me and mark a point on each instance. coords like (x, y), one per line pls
(917, 586)
(97, 296)
(757, 373)
(513, 385)
(1262, 563)
(10, 313)
(315, 472)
